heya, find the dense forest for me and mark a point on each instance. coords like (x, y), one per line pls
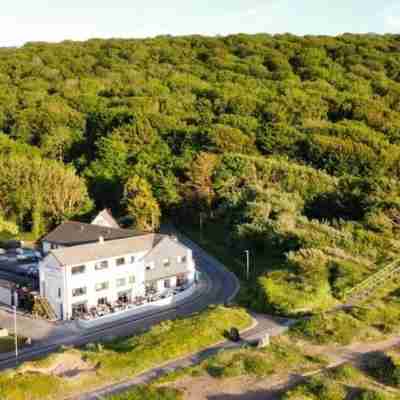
(289, 145)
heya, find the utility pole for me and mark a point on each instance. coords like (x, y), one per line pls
(247, 264)
(15, 335)
(201, 226)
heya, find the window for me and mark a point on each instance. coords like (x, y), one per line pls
(59, 293)
(132, 279)
(133, 259)
(79, 308)
(124, 297)
(120, 261)
(121, 282)
(181, 259)
(167, 283)
(101, 265)
(101, 286)
(78, 291)
(101, 301)
(80, 269)
(148, 267)
(166, 262)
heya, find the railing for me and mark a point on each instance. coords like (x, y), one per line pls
(365, 288)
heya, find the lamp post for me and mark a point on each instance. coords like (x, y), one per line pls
(247, 264)
(201, 226)
(15, 334)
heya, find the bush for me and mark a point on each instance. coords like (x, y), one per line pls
(149, 393)
(338, 327)
(385, 367)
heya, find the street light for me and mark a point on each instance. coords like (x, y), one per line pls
(15, 334)
(201, 226)
(247, 264)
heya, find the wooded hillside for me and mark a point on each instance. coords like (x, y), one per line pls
(287, 143)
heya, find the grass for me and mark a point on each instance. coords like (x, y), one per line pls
(149, 393)
(343, 383)
(337, 327)
(280, 357)
(126, 357)
(376, 318)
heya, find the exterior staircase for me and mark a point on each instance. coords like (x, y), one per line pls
(43, 309)
(367, 287)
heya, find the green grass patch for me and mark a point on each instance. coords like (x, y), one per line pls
(280, 357)
(337, 327)
(149, 393)
(125, 357)
(343, 383)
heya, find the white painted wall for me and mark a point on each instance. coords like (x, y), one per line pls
(58, 280)
(91, 277)
(6, 295)
(52, 284)
(99, 220)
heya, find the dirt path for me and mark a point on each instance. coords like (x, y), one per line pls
(251, 388)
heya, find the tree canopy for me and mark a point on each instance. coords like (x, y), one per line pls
(280, 140)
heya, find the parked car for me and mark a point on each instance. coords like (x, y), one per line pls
(33, 270)
(12, 244)
(21, 257)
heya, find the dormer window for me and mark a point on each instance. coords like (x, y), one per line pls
(181, 259)
(148, 267)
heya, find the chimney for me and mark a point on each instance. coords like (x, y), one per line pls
(101, 239)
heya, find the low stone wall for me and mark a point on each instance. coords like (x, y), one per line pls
(145, 309)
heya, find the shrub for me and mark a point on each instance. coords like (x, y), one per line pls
(338, 327)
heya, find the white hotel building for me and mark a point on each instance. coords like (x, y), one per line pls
(78, 278)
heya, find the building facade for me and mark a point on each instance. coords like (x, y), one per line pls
(79, 278)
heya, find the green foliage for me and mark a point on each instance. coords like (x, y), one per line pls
(274, 359)
(124, 357)
(336, 327)
(286, 146)
(385, 367)
(149, 393)
(342, 383)
(141, 205)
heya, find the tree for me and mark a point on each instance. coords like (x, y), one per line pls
(7, 226)
(141, 204)
(200, 184)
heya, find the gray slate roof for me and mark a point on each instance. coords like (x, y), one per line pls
(82, 254)
(73, 233)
